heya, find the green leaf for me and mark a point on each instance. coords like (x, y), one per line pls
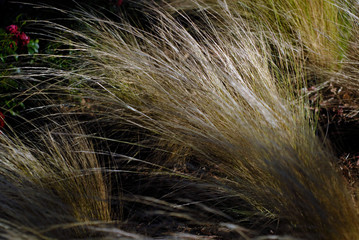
(12, 112)
(33, 46)
(18, 17)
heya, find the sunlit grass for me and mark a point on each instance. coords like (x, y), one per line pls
(232, 95)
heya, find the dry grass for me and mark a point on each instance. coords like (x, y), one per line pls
(52, 180)
(322, 27)
(228, 96)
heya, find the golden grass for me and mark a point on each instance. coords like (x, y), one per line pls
(322, 27)
(54, 179)
(227, 95)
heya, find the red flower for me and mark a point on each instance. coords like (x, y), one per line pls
(24, 39)
(20, 39)
(119, 3)
(14, 33)
(13, 29)
(2, 122)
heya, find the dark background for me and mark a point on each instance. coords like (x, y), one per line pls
(9, 10)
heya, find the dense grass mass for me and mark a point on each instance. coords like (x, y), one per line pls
(201, 123)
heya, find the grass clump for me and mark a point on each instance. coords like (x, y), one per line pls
(230, 97)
